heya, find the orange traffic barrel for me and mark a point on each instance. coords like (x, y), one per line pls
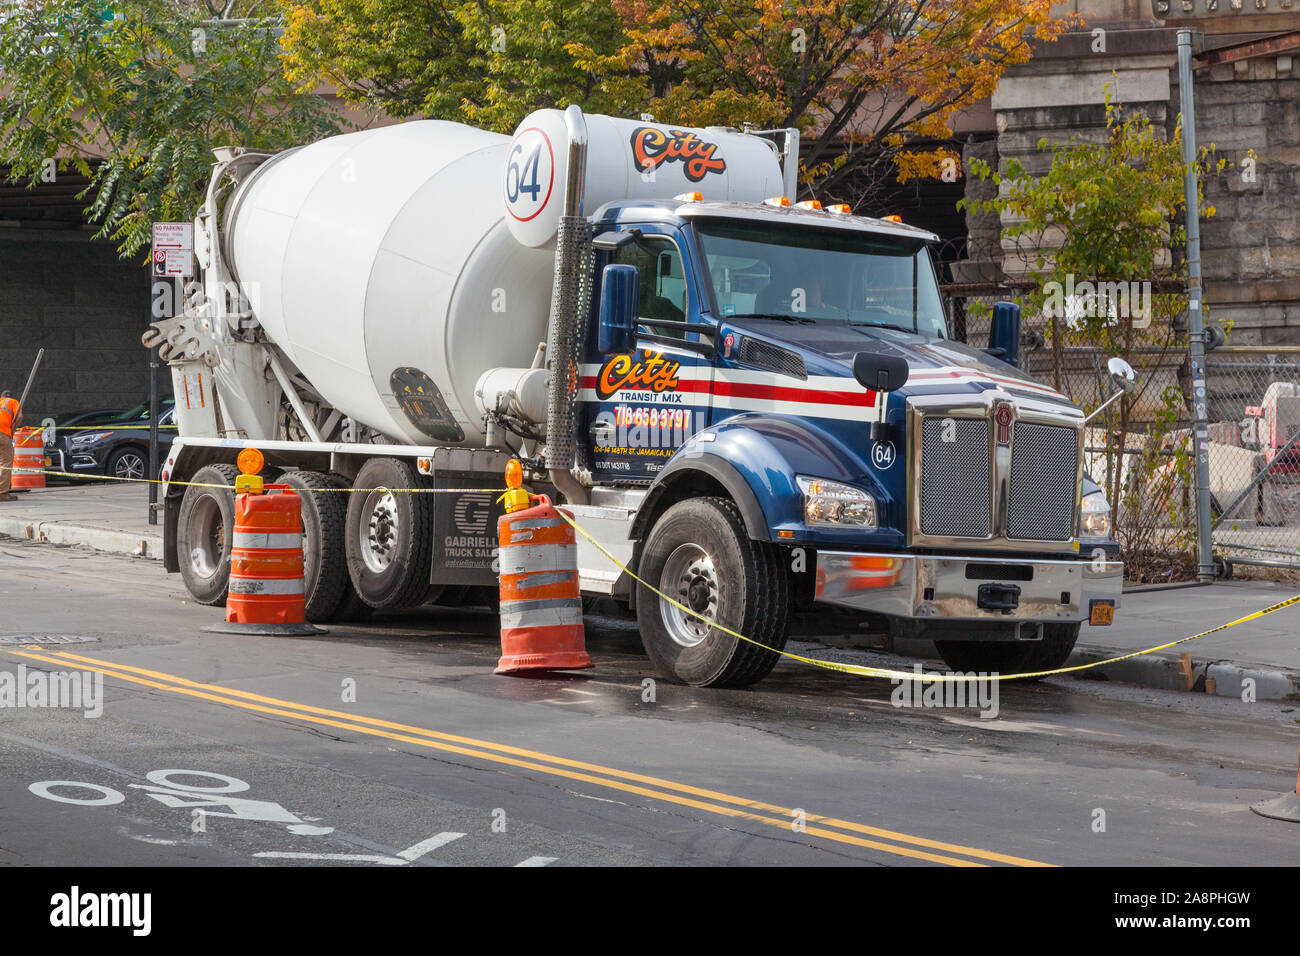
(266, 566)
(29, 459)
(541, 604)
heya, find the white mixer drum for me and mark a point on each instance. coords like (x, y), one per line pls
(628, 159)
(380, 262)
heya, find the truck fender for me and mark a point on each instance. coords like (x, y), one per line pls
(754, 458)
(680, 471)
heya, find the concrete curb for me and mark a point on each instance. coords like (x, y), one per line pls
(1157, 671)
(97, 539)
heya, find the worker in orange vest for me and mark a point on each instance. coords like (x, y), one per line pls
(11, 416)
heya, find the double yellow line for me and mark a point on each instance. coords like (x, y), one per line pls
(654, 788)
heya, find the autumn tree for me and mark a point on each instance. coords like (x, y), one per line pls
(868, 81)
(135, 97)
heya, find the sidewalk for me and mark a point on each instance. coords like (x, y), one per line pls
(113, 518)
(101, 516)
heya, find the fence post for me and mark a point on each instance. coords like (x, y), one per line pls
(1195, 320)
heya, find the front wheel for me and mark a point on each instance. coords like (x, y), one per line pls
(129, 462)
(1012, 657)
(700, 556)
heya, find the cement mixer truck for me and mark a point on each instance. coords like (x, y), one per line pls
(753, 404)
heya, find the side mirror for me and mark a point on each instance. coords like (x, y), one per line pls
(1125, 379)
(1122, 374)
(1004, 333)
(880, 373)
(620, 294)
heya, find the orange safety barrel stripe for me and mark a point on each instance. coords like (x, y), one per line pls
(530, 587)
(266, 566)
(534, 532)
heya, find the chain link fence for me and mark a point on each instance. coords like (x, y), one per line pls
(1254, 445)
(1140, 450)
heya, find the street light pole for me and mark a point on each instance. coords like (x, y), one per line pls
(1195, 318)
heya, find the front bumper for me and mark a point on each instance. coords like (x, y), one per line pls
(948, 587)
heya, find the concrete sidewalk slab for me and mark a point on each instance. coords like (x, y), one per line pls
(114, 519)
(111, 518)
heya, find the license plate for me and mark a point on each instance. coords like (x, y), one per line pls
(1101, 613)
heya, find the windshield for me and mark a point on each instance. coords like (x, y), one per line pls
(763, 270)
(141, 411)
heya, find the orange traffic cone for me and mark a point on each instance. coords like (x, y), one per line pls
(266, 567)
(541, 604)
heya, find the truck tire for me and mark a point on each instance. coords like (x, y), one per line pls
(205, 528)
(324, 561)
(1012, 658)
(389, 541)
(699, 553)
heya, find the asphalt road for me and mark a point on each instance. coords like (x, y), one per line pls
(393, 744)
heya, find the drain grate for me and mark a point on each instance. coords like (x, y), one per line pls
(47, 639)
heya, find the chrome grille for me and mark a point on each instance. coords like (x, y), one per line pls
(955, 477)
(1041, 496)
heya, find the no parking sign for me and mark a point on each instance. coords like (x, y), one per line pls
(173, 249)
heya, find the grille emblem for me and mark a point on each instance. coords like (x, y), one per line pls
(1004, 415)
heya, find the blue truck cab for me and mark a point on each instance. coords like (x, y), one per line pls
(771, 394)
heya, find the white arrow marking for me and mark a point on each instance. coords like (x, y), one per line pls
(428, 846)
(538, 861)
(409, 855)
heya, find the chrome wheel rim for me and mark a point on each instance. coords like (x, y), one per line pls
(207, 537)
(690, 578)
(379, 542)
(129, 466)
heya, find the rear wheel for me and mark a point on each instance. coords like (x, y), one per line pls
(204, 532)
(389, 535)
(1012, 657)
(699, 554)
(325, 565)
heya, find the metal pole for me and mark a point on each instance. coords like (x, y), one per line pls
(31, 377)
(1195, 320)
(153, 419)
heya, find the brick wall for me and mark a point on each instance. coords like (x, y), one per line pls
(87, 308)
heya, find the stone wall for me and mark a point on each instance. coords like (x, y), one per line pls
(1251, 247)
(87, 309)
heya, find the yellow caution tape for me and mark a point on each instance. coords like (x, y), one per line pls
(858, 670)
(200, 484)
(885, 672)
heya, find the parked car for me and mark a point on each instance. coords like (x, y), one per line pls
(121, 449)
(56, 435)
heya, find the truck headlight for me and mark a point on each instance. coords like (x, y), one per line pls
(89, 439)
(1094, 516)
(832, 503)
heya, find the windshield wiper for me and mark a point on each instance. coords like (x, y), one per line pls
(886, 325)
(800, 319)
